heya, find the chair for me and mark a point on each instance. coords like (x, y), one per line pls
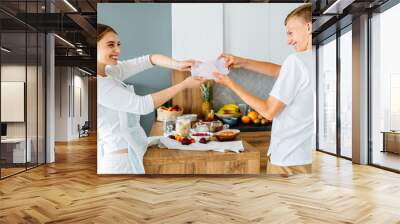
(84, 130)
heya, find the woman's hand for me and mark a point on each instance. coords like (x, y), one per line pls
(185, 65)
(232, 61)
(168, 62)
(193, 82)
(223, 79)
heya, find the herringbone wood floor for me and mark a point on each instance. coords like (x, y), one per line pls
(70, 191)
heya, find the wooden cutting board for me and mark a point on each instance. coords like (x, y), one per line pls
(189, 99)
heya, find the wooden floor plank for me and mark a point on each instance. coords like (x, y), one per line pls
(70, 191)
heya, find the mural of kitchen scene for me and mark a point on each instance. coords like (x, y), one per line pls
(206, 129)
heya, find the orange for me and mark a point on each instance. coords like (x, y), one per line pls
(253, 115)
(246, 119)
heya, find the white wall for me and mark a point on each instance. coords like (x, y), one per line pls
(67, 114)
(12, 100)
(82, 83)
(11, 73)
(61, 103)
(14, 73)
(80, 103)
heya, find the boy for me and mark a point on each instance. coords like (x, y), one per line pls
(291, 101)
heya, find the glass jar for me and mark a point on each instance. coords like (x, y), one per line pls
(168, 127)
(182, 126)
(210, 115)
(216, 126)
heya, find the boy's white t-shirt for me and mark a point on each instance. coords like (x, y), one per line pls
(292, 134)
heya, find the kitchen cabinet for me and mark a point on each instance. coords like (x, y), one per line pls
(246, 30)
(197, 30)
(259, 140)
(189, 99)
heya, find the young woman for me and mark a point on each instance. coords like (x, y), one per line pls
(122, 142)
(290, 103)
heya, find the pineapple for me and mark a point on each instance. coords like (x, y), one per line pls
(206, 96)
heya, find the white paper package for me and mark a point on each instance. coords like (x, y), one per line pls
(207, 68)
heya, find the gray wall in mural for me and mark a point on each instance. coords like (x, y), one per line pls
(258, 84)
(143, 29)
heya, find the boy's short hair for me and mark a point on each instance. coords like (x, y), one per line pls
(303, 11)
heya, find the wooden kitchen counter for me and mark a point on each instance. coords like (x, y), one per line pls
(171, 161)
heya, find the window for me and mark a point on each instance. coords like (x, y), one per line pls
(327, 96)
(346, 75)
(22, 77)
(385, 89)
(394, 101)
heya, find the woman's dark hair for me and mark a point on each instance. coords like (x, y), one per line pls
(103, 30)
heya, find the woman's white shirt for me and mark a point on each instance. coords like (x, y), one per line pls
(119, 110)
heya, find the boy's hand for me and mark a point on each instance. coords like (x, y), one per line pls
(193, 82)
(223, 79)
(232, 61)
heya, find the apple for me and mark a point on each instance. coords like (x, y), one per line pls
(203, 141)
(186, 141)
(176, 108)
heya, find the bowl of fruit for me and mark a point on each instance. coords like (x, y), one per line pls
(227, 134)
(232, 121)
(228, 111)
(169, 113)
(254, 118)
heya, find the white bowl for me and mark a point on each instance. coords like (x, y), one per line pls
(197, 138)
(165, 115)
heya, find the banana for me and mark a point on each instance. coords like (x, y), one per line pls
(231, 107)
